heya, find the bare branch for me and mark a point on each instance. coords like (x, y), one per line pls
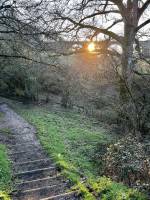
(114, 23)
(141, 74)
(96, 29)
(25, 58)
(121, 7)
(3, 6)
(142, 25)
(143, 8)
(99, 13)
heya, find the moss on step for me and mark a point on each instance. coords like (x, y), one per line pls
(1, 115)
(4, 196)
(5, 131)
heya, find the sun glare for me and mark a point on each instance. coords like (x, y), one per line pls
(91, 47)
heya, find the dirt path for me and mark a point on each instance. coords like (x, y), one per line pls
(36, 176)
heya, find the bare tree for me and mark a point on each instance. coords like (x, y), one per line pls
(23, 26)
(24, 22)
(83, 18)
(120, 21)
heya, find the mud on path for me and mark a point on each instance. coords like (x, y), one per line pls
(35, 174)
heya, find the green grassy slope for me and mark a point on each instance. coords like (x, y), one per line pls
(68, 137)
(71, 140)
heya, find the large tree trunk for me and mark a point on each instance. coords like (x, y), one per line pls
(130, 24)
(127, 70)
(127, 62)
(128, 65)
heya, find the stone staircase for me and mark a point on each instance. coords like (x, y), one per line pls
(35, 174)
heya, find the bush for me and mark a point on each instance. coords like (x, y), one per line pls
(105, 189)
(109, 190)
(99, 152)
(126, 161)
(17, 81)
(106, 115)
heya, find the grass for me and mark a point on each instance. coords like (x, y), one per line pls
(5, 167)
(71, 139)
(5, 173)
(68, 137)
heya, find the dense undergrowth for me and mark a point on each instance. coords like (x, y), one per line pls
(71, 139)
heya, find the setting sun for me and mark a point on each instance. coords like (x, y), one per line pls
(91, 46)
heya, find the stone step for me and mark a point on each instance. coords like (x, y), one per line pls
(5, 136)
(48, 181)
(34, 164)
(27, 128)
(23, 148)
(36, 174)
(8, 141)
(28, 156)
(25, 153)
(32, 150)
(64, 196)
(39, 193)
(24, 138)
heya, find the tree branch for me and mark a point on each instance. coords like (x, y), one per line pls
(120, 5)
(99, 13)
(143, 8)
(7, 6)
(142, 25)
(3, 6)
(96, 29)
(141, 74)
(25, 58)
(114, 23)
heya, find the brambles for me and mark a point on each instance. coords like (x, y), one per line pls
(126, 161)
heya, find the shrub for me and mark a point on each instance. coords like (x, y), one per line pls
(109, 190)
(17, 81)
(127, 162)
(105, 189)
(99, 152)
(106, 115)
